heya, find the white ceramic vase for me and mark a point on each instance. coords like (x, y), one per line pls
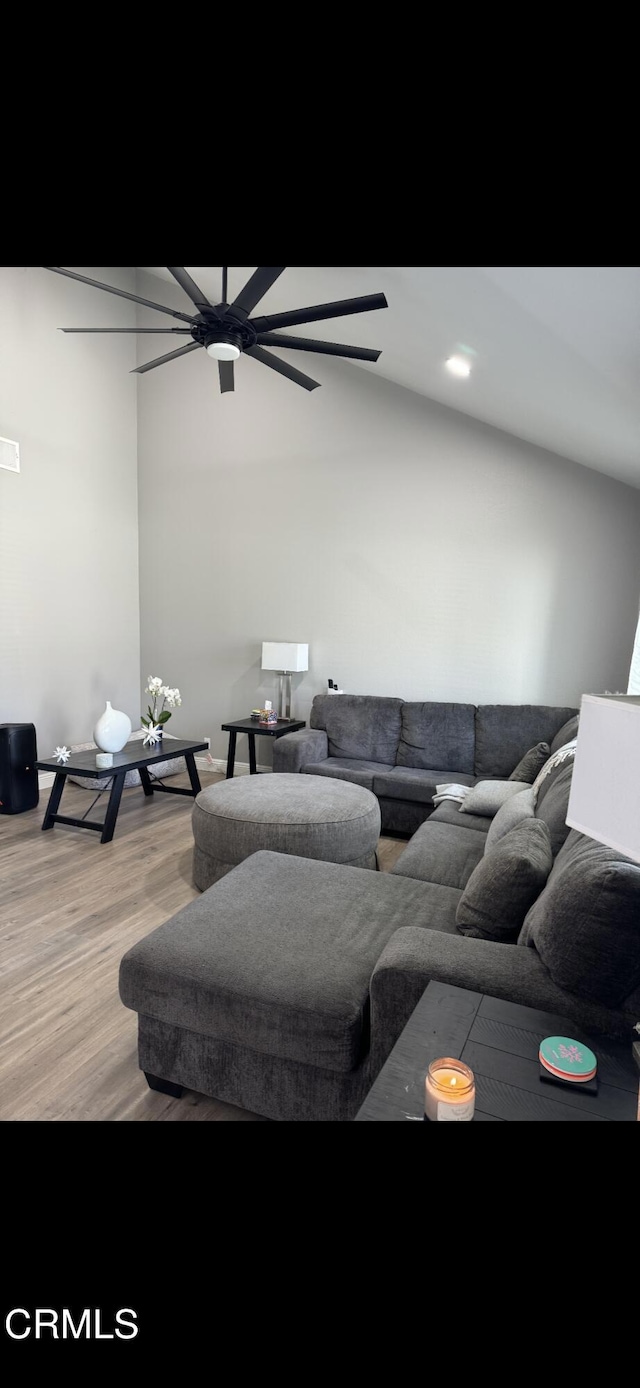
(112, 730)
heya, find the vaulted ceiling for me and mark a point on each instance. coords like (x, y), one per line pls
(555, 350)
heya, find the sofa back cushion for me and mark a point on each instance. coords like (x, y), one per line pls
(504, 732)
(566, 733)
(359, 725)
(437, 735)
(552, 804)
(585, 925)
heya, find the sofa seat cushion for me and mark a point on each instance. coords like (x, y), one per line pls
(432, 733)
(346, 769)
(449, 813)
(359, 725)
(438, 853)
(409, 783)
(277, 956)
(506, 882)
(504, 732)
(586, 923)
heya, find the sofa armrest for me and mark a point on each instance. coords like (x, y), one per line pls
(292, 751)
(413, 957)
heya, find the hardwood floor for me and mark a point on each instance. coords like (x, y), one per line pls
(69, 909)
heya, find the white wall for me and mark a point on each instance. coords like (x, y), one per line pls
(69, 600)
(419, 553)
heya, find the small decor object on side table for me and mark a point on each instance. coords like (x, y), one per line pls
(62, 754)
(568, 1062)
(158, 714)
(268, 714)
(450, 1092)
(112, 730)
(255, 715)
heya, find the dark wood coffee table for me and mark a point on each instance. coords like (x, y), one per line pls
(499, 1041)
(254, 729)
(133, 757)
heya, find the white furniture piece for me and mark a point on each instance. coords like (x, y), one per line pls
(605, 787)
(285, 657)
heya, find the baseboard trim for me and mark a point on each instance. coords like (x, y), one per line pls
(45, 780)
(241, 768)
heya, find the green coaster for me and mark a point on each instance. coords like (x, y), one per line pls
(568, 1057)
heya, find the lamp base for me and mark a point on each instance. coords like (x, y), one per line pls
(284, 697)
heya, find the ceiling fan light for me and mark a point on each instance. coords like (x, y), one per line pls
(223, 351)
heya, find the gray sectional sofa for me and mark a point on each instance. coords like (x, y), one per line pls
(402, 750)
(284, 987)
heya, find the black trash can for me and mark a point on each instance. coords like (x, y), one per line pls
(18, 775)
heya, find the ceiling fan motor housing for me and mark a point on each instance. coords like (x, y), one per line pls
(230, 336)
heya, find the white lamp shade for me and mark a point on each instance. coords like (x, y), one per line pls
(285, 655)
(605, 787)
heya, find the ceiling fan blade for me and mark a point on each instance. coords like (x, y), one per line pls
(125, 330)
(225, 369)
(122, 293)
(313, 315)
(308, 344)
(255, 289)
(180, 352)
(190, 287)
(283, 367)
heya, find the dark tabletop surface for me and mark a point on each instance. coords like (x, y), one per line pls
(133, 756)
(247, 725)
(499, 1041)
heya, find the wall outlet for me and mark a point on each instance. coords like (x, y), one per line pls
(208, 742)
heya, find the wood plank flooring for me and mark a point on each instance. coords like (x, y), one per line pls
(69, 909)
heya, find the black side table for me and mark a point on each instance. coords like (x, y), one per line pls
(499, 1041)
(254, 729)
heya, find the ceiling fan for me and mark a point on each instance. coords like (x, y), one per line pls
(226, 330)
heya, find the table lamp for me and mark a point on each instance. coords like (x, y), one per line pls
(285, 657)
(605, 787)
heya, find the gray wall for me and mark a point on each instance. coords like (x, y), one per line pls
(419, 553)
(69, 601)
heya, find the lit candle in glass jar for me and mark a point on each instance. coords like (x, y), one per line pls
(450, 1092)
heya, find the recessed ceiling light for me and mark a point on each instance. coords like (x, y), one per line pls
(458, 366)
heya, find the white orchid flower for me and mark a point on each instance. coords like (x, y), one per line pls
(161, 694)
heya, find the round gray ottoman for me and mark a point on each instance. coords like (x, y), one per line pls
(310, 816)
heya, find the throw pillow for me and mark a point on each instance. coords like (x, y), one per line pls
(531, 763)
(505, 884)
(486, 797)
(519, 807)
(556, 760)
(584, 925)
(566, 733)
